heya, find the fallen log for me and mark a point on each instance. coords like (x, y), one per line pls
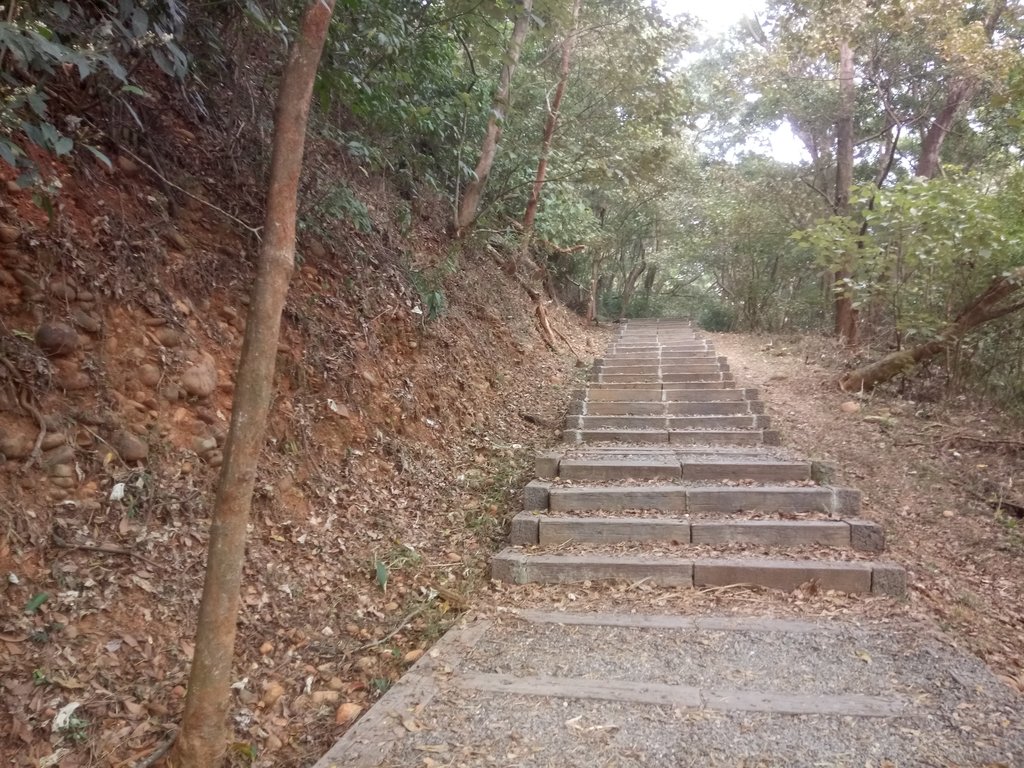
(989, 305)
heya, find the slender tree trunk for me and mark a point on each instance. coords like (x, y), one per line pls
(938, 130)
(470, 203)
(552, 122)
(846, 315)
(629, 287)
(592, 301)
(990, 305)
(202, 740)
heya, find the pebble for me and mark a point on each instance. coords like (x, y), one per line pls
(167, 336)
(53, 439)
(9, 234)
(201, 379)
(56, 339)
(15, 445)
(62, 290)
(129, 447)
(85, 321)
(63, 454)
(149, 375)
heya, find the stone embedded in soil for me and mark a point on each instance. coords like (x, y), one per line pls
(53, 440)
(85, 321)
(18, 444)
(201, 379)
(61, 289)
(63, 454)
(9, 234)
(129, 447)
(149, 375)
(56, 339)
(168, 337)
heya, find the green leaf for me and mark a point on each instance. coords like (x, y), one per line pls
(381, 571)
(100, 156)
(63, 146)
(36, 602)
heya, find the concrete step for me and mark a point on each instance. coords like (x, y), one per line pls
(530, 529)
(601, 393)
(853, 576)
(689, 437)
(655, 408)
(599, 467)
(742, 421)
(675, 387)
(647, 369)
(541, 495)
(665, 378)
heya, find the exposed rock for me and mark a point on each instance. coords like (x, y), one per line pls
(63, 482)
(54, 440)
(168, 337)
(86, 296)
(7, 279)
(9, 234)
(61, 470)
(175, 238)
(18, 444)
(171, 392)
(85, 321)
(56, 339)
(74, 381)
(149, 375)
(129, 447)
(202, 445)
(850, 406)
(61, 289)
(215, 458)
(317, 250)
(201, 379)
(127, 166)
(63, 454)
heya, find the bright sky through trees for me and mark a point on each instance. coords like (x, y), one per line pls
(717, 18)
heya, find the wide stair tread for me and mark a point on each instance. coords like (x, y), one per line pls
(670, 474)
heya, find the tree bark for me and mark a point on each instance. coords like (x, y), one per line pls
(934, 137)
(990, 305)
(552, 122)
(202, 740)
(629, 282)
(470, 203)
(845, 314)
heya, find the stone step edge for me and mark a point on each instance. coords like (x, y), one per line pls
(541, 495)
(708, 437)
(531, 529)
(587, 422)
(874, 577)
(549, 465)
(582, 396)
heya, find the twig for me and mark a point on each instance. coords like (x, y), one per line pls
(572, 349)
(409, 617)
(108, 549)
(159, 752)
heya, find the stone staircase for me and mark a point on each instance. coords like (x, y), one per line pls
(672, 475)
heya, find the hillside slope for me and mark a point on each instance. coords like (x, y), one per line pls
(395, 450)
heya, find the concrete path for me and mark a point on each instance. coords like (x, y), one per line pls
(672, 476)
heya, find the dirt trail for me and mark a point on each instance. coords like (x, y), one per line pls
(964, 560)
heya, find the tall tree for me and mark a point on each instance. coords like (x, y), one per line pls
(846, 315)
(469, 205)
(551, 123)
(201, 742)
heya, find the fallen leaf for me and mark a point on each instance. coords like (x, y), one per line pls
(347, 712)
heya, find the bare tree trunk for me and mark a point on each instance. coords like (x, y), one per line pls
(989, 306)
(470, 203)
(935, 135)
(202, 740)
(846, 315)
(592, 301)
(629, 287)
(552, 122)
